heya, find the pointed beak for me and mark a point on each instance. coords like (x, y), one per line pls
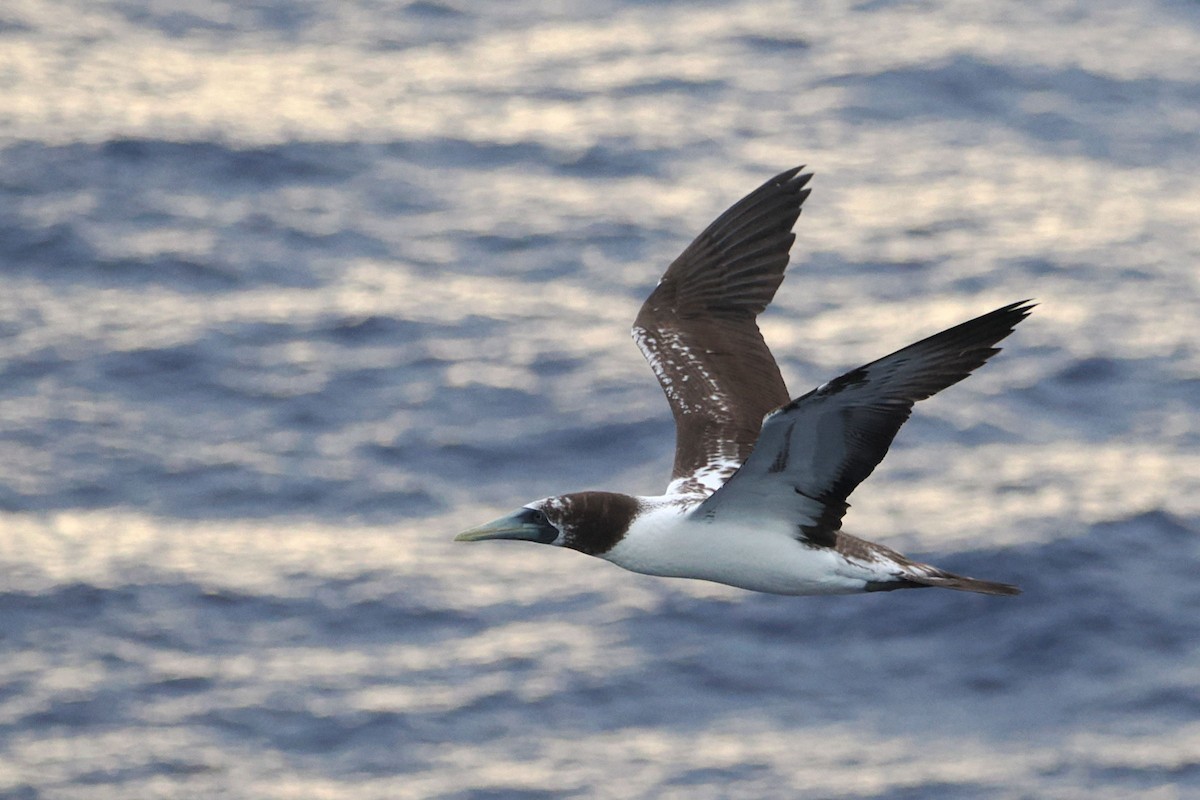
(526, 524)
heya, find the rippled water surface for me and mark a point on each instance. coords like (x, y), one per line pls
(293, 291)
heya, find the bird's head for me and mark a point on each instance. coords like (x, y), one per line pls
(591, 522)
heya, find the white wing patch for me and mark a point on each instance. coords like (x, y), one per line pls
(705, 480)
(674, 358)
(674, 364)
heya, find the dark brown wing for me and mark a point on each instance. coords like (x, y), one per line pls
(698, 331)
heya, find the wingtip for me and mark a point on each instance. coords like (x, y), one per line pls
(793, 178)
(1010, 315)
(1015, 313)
(797, 184)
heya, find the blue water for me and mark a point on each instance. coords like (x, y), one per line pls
(293, 292)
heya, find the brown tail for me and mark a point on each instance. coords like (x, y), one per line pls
(946, 580)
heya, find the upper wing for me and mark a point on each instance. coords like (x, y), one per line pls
(698, 332)
(816, 449)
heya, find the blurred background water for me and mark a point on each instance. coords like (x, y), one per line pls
(293, 290)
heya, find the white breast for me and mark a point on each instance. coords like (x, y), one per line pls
(762, 555)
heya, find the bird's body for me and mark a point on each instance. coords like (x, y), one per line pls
(760, 481)
(760, 554)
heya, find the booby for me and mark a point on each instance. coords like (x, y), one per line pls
(760, 480)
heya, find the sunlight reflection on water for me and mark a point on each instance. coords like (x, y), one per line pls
(292, 293)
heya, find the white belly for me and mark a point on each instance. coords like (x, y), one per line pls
(760, 555)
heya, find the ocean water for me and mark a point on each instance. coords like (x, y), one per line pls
(294, 291)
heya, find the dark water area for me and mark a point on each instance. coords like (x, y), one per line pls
(294, 292)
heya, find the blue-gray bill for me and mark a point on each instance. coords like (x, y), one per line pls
(526, 524)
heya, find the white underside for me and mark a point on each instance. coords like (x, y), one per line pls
(763, 555)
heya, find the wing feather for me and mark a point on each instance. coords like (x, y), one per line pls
(698, 331)
(814, 451)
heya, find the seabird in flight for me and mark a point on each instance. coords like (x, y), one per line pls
(760, 480)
